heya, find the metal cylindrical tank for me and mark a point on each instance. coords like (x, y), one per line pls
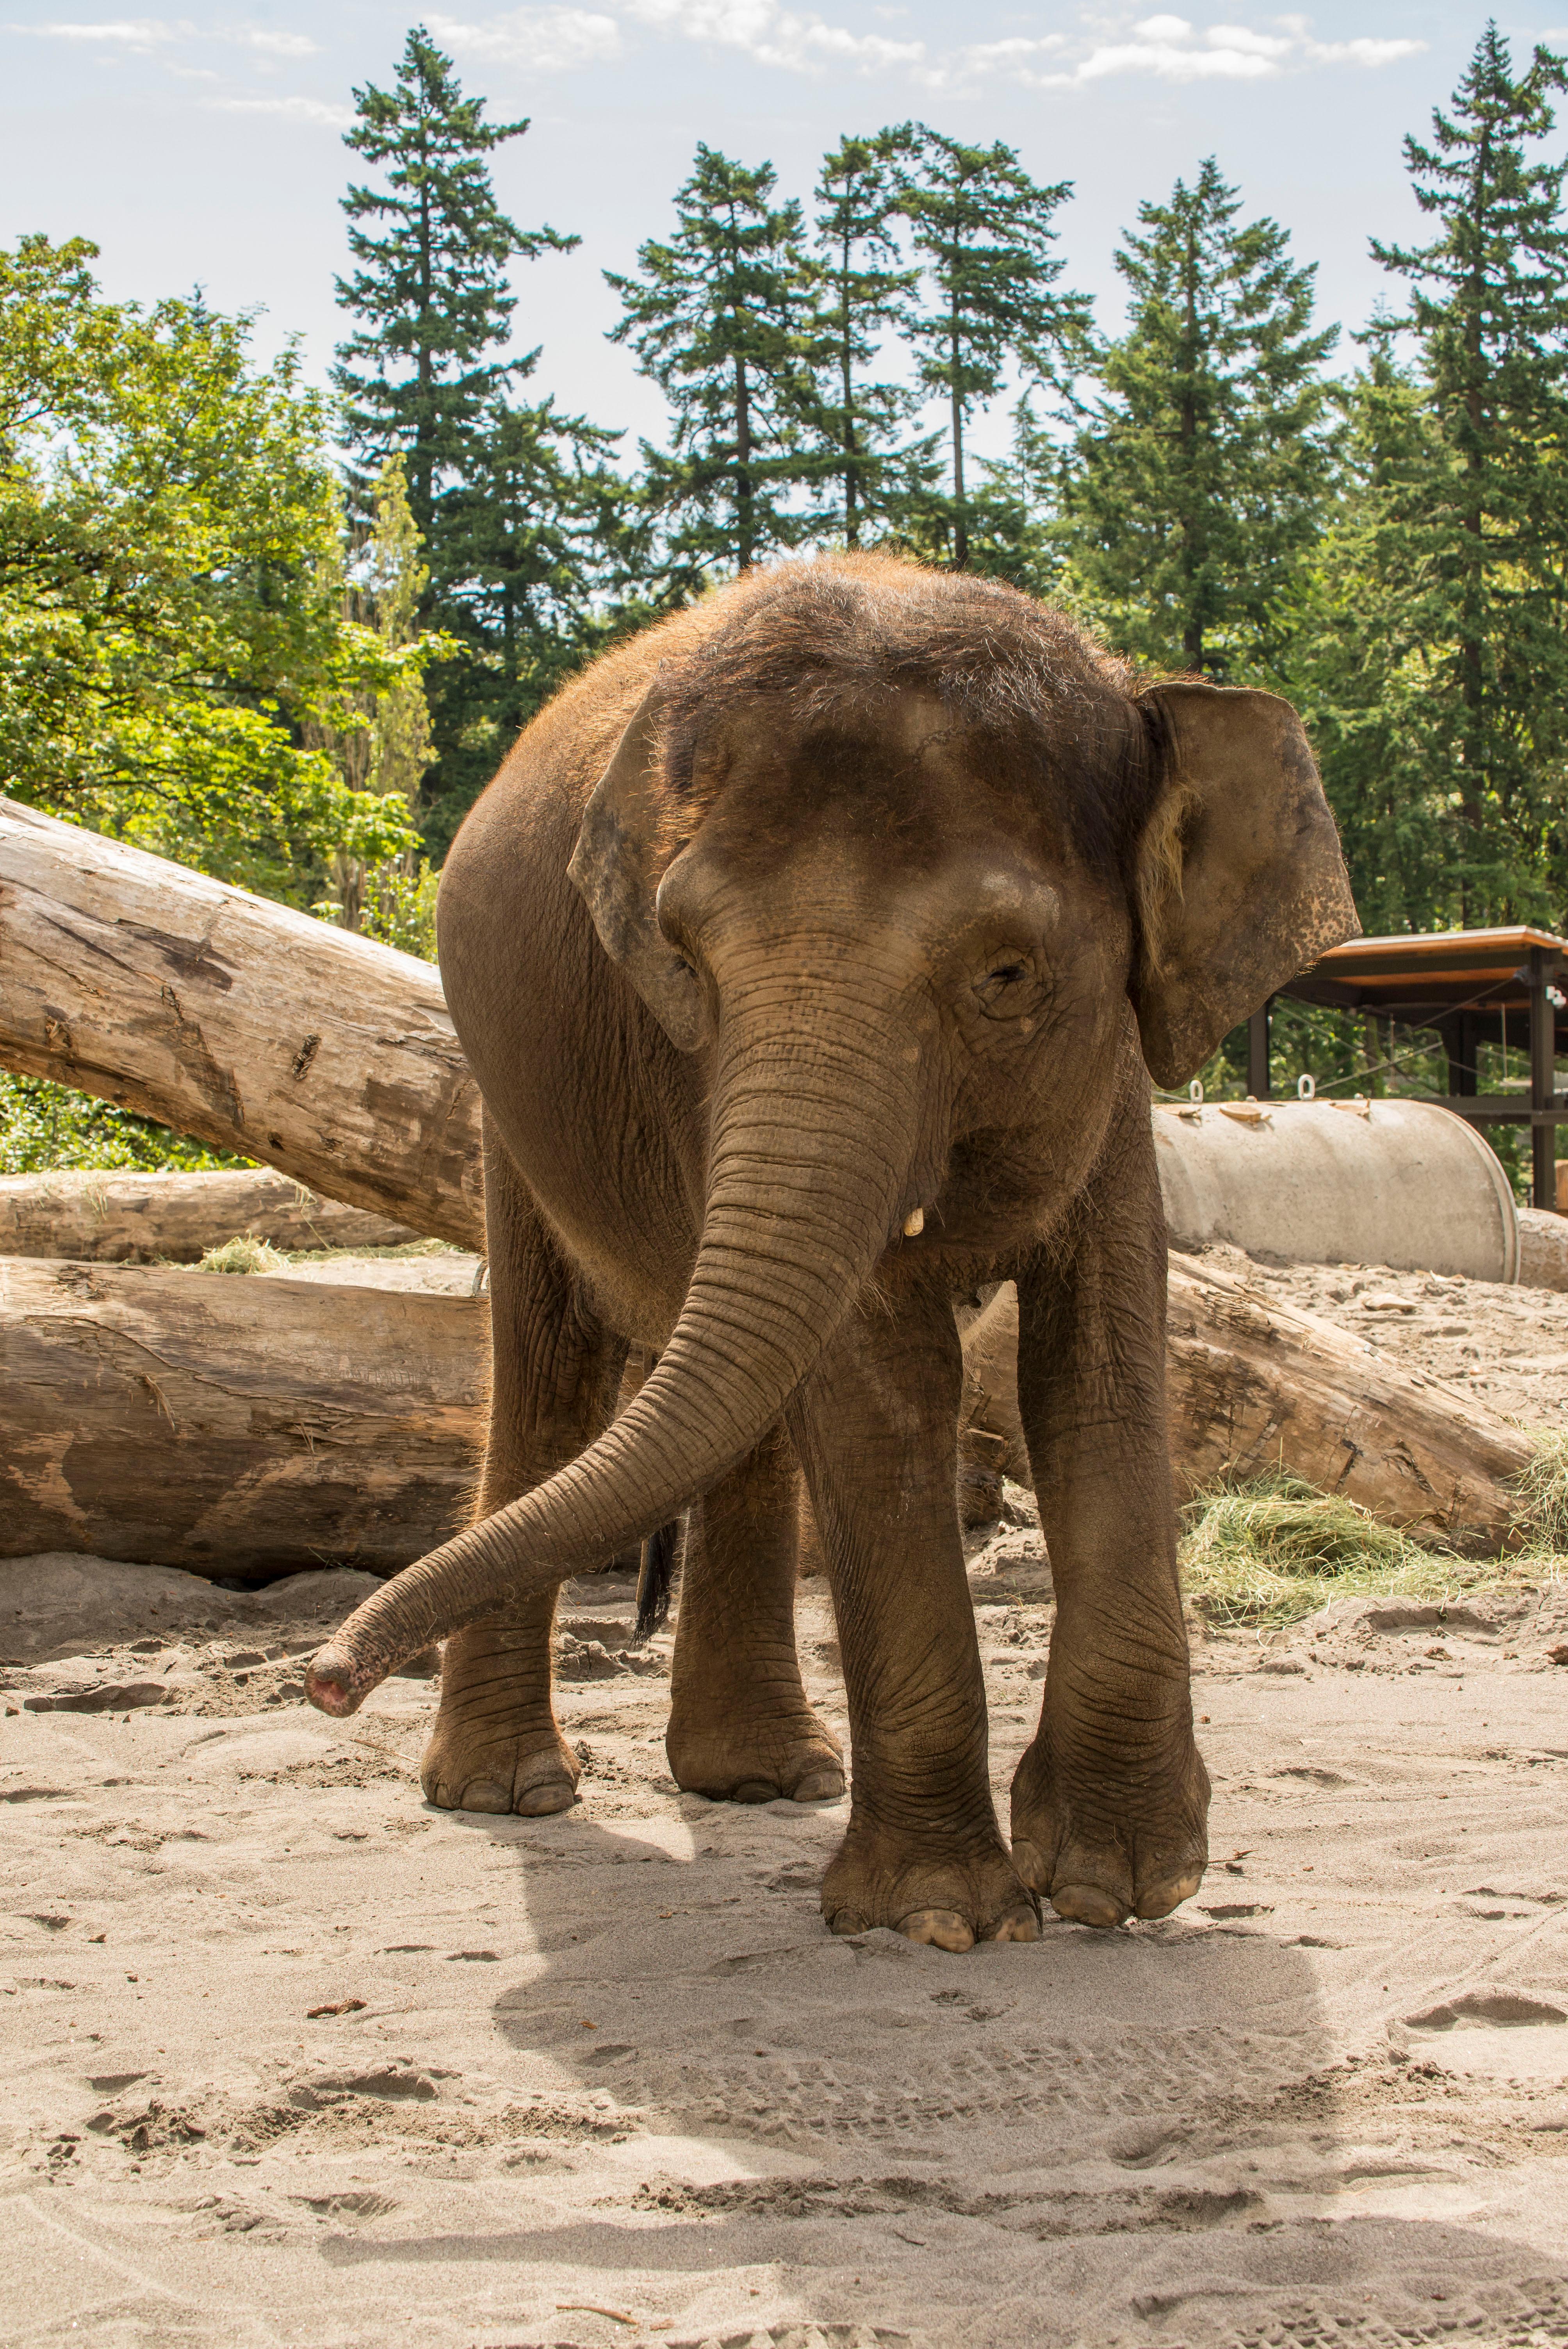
(1400, 1182)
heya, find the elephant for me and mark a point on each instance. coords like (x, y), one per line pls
(812, 952)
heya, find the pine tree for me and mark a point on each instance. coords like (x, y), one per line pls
(1356, 665)
(1471, 525)
(430, 289)
(1199, 481)
(860, 292)
(717, 319)
(983, 232)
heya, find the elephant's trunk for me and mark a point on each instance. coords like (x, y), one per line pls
(815, 1127)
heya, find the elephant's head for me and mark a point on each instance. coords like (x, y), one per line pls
(891, 852)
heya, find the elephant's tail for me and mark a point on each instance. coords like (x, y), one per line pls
(655, 1580)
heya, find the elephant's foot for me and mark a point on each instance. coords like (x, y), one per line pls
(1105, 1848)
(754, 1757)
(951, 1900)
(478, 1764)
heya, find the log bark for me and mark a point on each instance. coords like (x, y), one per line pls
(251, 1027)
(234, 1425)
(132, 1218)
(1255, 1386)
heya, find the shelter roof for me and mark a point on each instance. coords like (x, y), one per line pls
(1423, 974)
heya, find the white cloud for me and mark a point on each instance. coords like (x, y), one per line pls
(1171, 48)
(131, 33)
(550, 40)
(774, 36)
(1361, 53)
(275, 44)
(298, 109)
(560, 39)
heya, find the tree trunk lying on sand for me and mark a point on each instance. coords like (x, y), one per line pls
(244, 1023)
(333, 1059)
(234, 1425)
(1256, 1386)
(132, 1218)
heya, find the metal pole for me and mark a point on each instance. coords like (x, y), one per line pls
(1258, 1052)
(1543, 1076)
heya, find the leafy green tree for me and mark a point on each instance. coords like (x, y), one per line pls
(1199, 481)
(537, 536)
(716, 317)
(1469, 515)
(429, 288)
(1357, 664)
(983, 232)
(171, 622)
(860, 292)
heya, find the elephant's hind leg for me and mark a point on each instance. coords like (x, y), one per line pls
(741, 1727)
(496, 1744)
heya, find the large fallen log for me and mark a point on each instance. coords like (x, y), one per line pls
(252, 1027)
(233, 1425)
(132, 1218)
(1255, 1385)
(239, 1424)
(334, 1059)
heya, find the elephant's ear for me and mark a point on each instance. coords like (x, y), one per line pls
(615, 868)
(1240, 884)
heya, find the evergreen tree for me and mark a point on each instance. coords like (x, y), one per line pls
(717, 319)
(860, 292)
(1471, 520)
(430, 286)
(539, 524)
(983, 232)
(1355, 665)
(1200, 481)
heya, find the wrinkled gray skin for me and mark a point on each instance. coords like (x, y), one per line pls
(809, 953)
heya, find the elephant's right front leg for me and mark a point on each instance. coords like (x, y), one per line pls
(876, 1424)
(496, 1744)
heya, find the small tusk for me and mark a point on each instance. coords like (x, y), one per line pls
(914, 1223)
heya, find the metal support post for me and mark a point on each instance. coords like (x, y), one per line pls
(1542, 1080)
(1258, 1051)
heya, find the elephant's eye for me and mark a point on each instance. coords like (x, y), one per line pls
(996, 982)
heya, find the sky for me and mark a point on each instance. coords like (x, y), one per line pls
(207, 148)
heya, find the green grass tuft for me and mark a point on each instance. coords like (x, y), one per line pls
(1543, 1493)
(244, 1253)
(1268, 1553)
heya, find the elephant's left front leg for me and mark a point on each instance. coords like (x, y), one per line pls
(1110, 1801)
(875, 1425)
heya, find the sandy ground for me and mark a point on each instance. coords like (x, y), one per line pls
(289, 2058)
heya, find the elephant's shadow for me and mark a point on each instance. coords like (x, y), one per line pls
(686, 1987)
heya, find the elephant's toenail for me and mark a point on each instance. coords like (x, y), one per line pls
(848, 1920)
(940, 1928)
(1085, 1904)
(484, 1795)
(538, 1802)
(820, 1787)
(755, 1790)
(1160, 1898)
(1018, 1925)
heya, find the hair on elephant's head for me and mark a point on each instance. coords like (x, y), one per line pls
(943, 759)
(909, 863)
